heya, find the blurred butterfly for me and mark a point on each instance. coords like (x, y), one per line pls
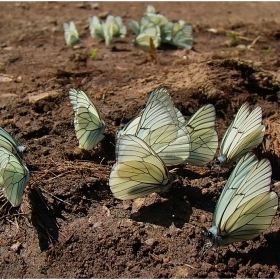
(162, 127)
(182, 35)
(108, 30)
(142, 41)
(95, 27)
(244, 133)
(121, 30)
(246, 205)
(203, 137)
(71, 34)
(166, 32)
(138, 170)
(8, 142)
(14, 176)
(88, 124)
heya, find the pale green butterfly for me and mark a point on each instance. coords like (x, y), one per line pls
(246, 205)
(161, 125)
(138, 170)
(14, 176)
(89, 126)
(71, 34)
(8, 142)
(203, 136)
(244, 133)
(142, 41)
(182, 35)
(95, 27)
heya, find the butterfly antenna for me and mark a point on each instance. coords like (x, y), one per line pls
(122, 118)
(112, 144)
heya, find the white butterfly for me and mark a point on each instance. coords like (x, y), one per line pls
(121, 31)
(8, 142)
(246, 205)
(138, 170)
(166, 32)
(71, 34)
(162, 127)
(14, 176)
(182, 35)
(142, 41)
(203, 137)
(112, 27)
(88, 124)
(95, 28)
(108, 30)
(244, 133)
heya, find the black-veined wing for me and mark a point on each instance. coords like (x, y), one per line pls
(14, 176)
(10, 143)
(244, 133)
(138, 170)
(89, 126)
(203, 136)
(246, 205)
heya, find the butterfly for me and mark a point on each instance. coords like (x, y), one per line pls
(71, 34)
(142, 41)
(112, 27)
(138, 170)
(182, 35)
(161, 125)
(14, 176)
(95, 28)
(246, 205)
(88, 124)
(244, 133)
(203, 136)
(8, 142)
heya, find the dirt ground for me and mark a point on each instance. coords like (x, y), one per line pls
(69, 225)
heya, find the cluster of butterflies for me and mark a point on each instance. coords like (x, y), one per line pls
(156, 28)
(153, 29)
(159, 137)
(112, 27)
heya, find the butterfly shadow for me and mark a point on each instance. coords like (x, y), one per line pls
(43, 219)
(266, 254)
(171, 208)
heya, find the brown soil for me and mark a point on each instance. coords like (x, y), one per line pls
(69, 225)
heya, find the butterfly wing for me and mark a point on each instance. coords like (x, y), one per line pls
(138, 170)
(161, 127)
(142, 41)
(71, 34)
(121, 27)
(14, 176)
(8, 142)
(88, 124)
(134, 26)
(95, 28)
(246, 205)
(240, 133)
(166, 32)
(203, 137)
(130, 127)
(183, 38)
